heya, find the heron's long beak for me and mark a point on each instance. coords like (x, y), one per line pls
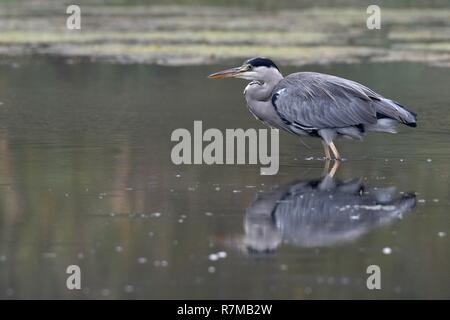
(229, 73)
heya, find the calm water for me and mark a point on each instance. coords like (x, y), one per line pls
(86, 178)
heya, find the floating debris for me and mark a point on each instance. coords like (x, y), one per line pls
(237, 191)
(309, 158)
(213, 257)
(217, 188)
(211, 269)
(129, 288)
(387, 250)
(217, 256)
(142, 260)
(80, 256)
(442, 234)
(155, 215)
(3, 258)
(421, 201)
(105, 292)
(283, 267)
(209, 214)
(119, 249)
(160, 263)
(49, 255)
(222, 254)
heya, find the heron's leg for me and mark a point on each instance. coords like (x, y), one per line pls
(327, 150)
(333, 148)
(334, 169)
(327, 167)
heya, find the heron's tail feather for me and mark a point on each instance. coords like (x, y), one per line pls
(392, 110)
(383, 125)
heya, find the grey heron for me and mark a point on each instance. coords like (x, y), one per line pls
(316, 104)
(320, 212)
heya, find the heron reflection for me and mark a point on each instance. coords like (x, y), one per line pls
(320, 212)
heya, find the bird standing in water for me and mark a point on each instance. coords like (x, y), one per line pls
(316, 104)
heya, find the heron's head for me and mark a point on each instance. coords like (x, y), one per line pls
(255, 69)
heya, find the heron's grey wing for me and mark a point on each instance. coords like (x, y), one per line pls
(314, 101)
(318, 217)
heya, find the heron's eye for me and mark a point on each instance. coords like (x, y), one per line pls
(249, 67)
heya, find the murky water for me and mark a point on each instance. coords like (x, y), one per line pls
(86, 179)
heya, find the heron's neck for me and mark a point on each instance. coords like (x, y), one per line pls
(262, 90)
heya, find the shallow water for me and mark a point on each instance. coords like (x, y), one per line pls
(86, 179)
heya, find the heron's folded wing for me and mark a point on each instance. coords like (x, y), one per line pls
(314, 101)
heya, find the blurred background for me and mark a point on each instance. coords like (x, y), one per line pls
(178, 32)
(85, 171)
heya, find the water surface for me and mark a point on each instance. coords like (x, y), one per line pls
(86, 178)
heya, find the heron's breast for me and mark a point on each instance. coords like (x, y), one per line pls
(265, 112)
